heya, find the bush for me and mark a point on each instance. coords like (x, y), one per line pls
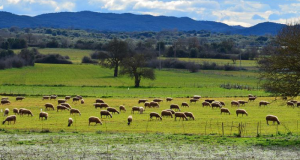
(87, 59)
(52, 58)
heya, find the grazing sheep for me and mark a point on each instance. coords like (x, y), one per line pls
(135, 109)
(142, 101)
(19, 98)
(113, 110)
(291, 104)
(166, 113)
(60, 107)
(25, 111)
(157, 100)
(184, 104)
(5, 101)
(61, 101)
(75, 99)
(67, 98)
(209, 100)
(105, 113)
(129, 119)
(180, 115)
(222, 103)
(66, 105)
(122, 108)
(235, 103)
(53, 97)
(15, 111)
(154, 114)
(6, 112)
(70, 122)
(193, 100)
(20, 110)
(225, 110)
(43, 115)
(242, 102)
(171, 110)
(251, 99)
(46, 97)
(263, 103)
(294, 101)
(49, 105)
(94, 119)
(78, 96)
(9, 119)
(4, 98)
(190, 115)
(175, 107)
(205, 104)
(241, 111)
(101, 105)
(154, 104)
(147, 104)
(216, 104)
(169, 99)
(298, 104)
(272, 118)
(196, 97)
(99, 101)
(82, 101)
(142, 110)
(73, 110)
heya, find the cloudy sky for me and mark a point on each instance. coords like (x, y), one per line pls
(232, 12)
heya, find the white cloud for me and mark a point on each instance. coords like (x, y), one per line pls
(13, 1)
(1, 7)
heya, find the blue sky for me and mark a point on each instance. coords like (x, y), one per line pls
(232, 12)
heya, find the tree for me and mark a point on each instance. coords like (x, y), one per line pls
(280, 65)
(135, 67)
(117, 51)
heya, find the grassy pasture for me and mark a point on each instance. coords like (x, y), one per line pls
(208, 120)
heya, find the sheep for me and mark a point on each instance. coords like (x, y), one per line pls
(171, 110)
(263, 103)
(122, 108)
(20, 110)
(53, 97)
(5, 102)
(6, 112)
(94, 119)
(154, 104)
(193, 100)
(49, 105)
(105, 113)
(78, 96)
(19, 98)
(209, 100)
(9, 119)
(175, 107)
(101, 105)
(67, 98)
(250, 95)
(235, 103)
(251, 99)
(60, 107)
(241, 111)
(135, 109)
(82, 101)
(147, 104)
(222, 103)
(142, 110)
(26, 111)
(180, 115)
(196, 97)
(43, 115)
(166, 113)
(73, 110)
(4, 98)
(272, 118)
(46, 97)
(15, 111)
(142, 101)
(225, 110)
(294, 101)
(216, 104)
(157, 100)
(99, 101)
(61, 101)
(169, 99)
(129, 119)
(154, 114)
(289, 103)
(298, 104)
(184, 104)
(242, 102)
(70, 122)
(205, 104)
(75, 99)
(190, 115)
(113, 110)
(66, 105)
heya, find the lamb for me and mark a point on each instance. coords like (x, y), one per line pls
(166, 113)
(101, 105)
(225, 110)
(135, 109)
(60, 107)
(99, 101)
(196, 97)
(263, 103)
(241, 111)
(180, 115)
(184, 104)
(272, 118)
(205, 104)
(94, 119)
(61, 101)
(105, 113)
(43, 115)
(53, 97)
(142, 110)
(82, 101)
(154, 104)
(171, 110)
(16, 111)
(5, 101)
(75, 99)
(122, 108)
(19, 98)
(193, 100)
(154, 114)
(46, 97)
(235, 103)
(26, 111)
(216, 104)
(9, 119)
(67, 98)
(6, 112)
(169, 99)
(66, 105)
(73, 110)
(157, 100)
(49, 105)
(289, 103)
(70, 122)
(190, 115)
(242, 102)
(142, 101)
(129, 119)
(175, 107)
(113, 110)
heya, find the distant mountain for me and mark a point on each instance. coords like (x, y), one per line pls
(127, 22)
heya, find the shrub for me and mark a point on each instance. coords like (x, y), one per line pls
(87, 59)
(52, 58)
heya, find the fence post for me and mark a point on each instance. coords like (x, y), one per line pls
(257, 134)
(222, 129)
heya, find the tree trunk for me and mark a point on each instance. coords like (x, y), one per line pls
(137, 82)
(116, 70)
